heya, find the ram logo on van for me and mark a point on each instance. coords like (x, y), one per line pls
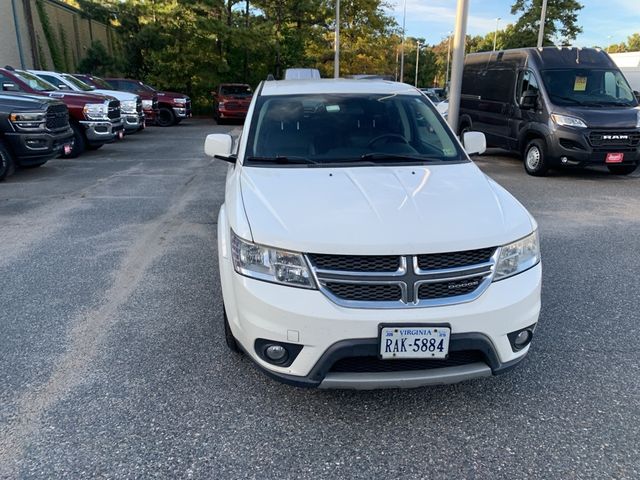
(615, 137)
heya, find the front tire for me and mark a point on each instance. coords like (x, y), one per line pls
(7, 163)
(79, 142)
(535, 158)
(622, 169)
(166, 117)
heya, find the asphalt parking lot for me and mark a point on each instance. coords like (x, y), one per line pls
(111, 368)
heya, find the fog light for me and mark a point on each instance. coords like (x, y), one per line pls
(564, 159)
(276, 353)
(522, 338)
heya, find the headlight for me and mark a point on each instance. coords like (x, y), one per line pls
(518, 257)
(566, 121)
(270, 264)
(28, 120)
(128, 106)
(147, 104)
(180, 101)
(96, 111)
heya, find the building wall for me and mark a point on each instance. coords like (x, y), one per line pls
(72, 33)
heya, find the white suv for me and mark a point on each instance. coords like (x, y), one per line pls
(359, 246)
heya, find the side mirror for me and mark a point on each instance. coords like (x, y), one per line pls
(219, 145)
(10, 87)
(529, 100)
(475, 143)
(637, 95)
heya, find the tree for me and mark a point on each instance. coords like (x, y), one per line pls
(560, 27)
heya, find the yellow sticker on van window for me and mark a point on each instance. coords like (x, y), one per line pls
(580, 84)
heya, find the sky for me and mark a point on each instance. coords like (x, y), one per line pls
(603, 21)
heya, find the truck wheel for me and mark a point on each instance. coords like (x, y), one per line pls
(166, 117)
(622, 169)
(232, 343)
(535, 158)
(79, 142)
(7, 164)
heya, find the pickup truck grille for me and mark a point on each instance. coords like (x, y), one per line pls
(114, 110)
(397, 281)
(57, 117)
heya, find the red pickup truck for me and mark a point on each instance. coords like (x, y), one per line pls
(149, 99)
(95, 119)
(231, 101)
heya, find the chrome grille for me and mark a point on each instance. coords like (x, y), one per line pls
(397, 281)
(57, 117)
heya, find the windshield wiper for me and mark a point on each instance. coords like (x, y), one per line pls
(380, 156)
(568, 99)
(281, 159)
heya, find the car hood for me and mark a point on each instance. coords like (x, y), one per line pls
(380, 210)
(122, 96)
(80, 97)
(609, 117)
(171, 95)
(25, 101)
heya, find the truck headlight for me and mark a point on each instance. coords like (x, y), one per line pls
(270, 264)
(128, 106)
(567, 121)
(96, 111)
(147, 104)
(180, 101)
(28, 120)
(518, 257)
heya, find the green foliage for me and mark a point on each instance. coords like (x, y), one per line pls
(631, 45)
(560, 26)
(97, 60)
(56, 55)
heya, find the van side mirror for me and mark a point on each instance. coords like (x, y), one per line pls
(10, 87)
(529, 100)
(219, 145)
(475, 143)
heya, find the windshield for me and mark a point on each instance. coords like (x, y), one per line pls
(330, 128)
(235, 90)
(34, 82)
(81, 85)
(593, 87)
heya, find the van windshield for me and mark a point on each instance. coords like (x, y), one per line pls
(592, 88)
(347, 128)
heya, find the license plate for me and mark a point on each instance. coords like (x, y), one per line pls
(614, 158)
(414, 342)
(67, 149)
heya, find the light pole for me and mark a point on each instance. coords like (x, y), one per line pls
(446, 74)
(462, 14)
(543, 18)
(336, 43)
(404, 17)
(418, 45)
(495, 35)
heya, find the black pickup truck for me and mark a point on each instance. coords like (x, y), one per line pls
(33, 129)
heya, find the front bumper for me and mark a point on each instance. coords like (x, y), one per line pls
(576, 147)
(234, 114)
(182, 112)
(259, 310)
(150, 116)
(98, 132)
(133, 121)
(32, 148)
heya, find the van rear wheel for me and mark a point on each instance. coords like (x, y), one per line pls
(7, 164)
(535, 158)
(622, 169)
